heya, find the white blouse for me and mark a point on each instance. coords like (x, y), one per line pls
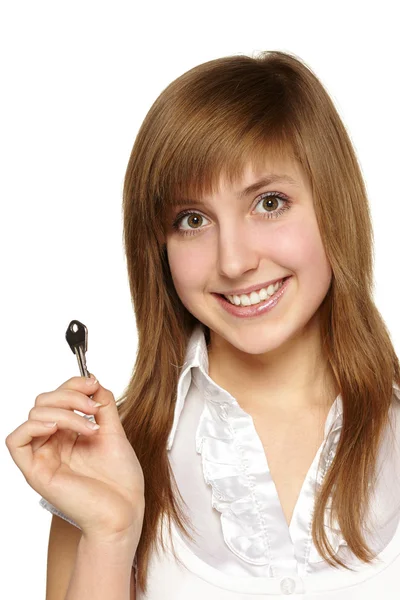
(243, 545)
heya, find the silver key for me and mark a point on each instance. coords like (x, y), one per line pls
(77, 338)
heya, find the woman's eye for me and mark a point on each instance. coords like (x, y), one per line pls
(269, 201)
(193, 219)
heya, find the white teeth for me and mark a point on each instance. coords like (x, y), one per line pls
(255, 297)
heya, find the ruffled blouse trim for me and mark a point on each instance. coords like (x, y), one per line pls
(235, 466)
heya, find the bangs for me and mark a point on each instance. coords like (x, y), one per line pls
(196, 172)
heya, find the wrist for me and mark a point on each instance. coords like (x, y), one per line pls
(121, 546)
(103, 568)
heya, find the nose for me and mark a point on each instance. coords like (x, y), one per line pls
(237, 251)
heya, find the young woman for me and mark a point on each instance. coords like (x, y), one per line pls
(256, 450)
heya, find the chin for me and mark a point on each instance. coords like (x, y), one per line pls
(255, 339)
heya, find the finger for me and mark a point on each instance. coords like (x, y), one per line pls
(65, 419)
(66, 398)
(19, 442)
(85, 385)
(67, 442)
(107, 416)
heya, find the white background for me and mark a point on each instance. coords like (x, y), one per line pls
(77, 79)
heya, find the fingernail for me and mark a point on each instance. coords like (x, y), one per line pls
(91, 380)
(93, 403)
(92, 425)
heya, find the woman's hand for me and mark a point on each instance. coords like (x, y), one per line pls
(93, 476)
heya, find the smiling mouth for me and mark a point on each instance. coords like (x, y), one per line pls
(245, 300)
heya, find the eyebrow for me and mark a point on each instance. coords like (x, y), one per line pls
(251, 189)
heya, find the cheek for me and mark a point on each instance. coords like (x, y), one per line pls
(299, 242)
(190, 270)
(301, 249)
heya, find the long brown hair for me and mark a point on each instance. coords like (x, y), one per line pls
(208, 122)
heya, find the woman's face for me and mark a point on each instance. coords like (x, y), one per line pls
(234, 242)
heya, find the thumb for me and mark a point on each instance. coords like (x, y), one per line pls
(107, 415)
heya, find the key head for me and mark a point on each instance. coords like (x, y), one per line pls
(77, 336)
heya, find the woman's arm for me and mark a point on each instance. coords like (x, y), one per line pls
(79, 568)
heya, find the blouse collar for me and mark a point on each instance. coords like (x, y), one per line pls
(197, 356)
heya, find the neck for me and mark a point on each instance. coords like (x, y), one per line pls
(287, 380)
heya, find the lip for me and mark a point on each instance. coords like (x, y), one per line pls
(253, 288)
(254, 310)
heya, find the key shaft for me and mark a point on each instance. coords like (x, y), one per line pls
(77, 338)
